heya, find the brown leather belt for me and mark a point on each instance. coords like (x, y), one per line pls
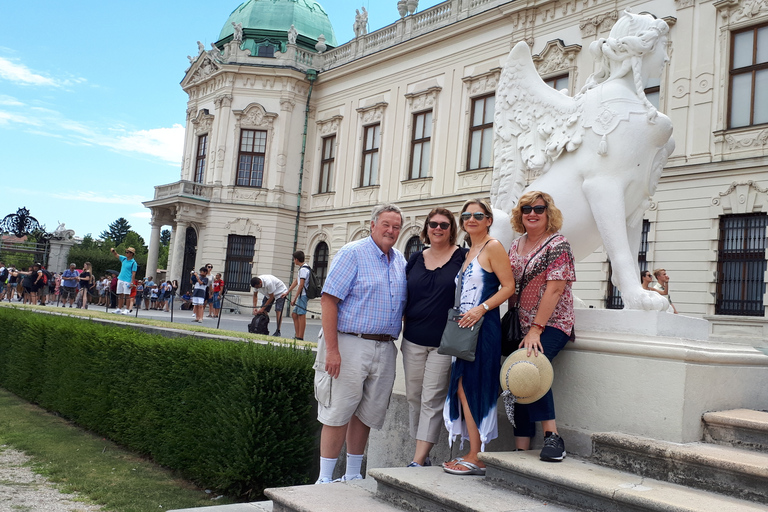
(374, 337)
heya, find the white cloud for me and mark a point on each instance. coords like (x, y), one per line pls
(10, 101)
(164, 143)
(11, 118)
(20, 73)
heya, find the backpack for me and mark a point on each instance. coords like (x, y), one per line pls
(314, 290)
(47, 277)
(4, 275)
(259, 324)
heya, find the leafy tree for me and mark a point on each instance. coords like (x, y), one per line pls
(162, 257)
(165, 237)
(117, 231)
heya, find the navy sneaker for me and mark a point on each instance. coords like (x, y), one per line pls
(554, 448)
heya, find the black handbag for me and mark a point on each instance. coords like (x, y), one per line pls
(511, 332)
(458, 341)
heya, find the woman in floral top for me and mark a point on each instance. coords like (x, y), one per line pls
(546, 306)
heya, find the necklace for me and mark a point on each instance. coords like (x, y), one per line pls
(535, 244)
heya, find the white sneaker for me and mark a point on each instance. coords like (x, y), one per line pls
(118, 311)
(324, 481)
(346, 478)
(126, 312)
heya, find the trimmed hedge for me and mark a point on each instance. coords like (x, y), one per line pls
(235, 417)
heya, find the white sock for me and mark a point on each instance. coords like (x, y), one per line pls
(326, 468)
(354, 462)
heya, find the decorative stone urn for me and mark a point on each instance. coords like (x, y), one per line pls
(402, 8)
(412, 5)
(321, 46)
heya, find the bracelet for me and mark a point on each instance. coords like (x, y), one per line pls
(534, 324)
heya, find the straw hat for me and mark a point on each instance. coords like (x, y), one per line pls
(527, 378)
(131, 250)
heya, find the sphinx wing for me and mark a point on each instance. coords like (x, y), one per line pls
(533, 125)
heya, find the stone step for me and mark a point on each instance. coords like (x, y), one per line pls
(740, 428)
(596, 488)
(334, 497)
(256, 506)
(433, 490)
(723, 469)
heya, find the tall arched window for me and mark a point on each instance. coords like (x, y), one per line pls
(321, 262)
(414, 245)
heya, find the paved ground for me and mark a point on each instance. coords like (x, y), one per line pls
(231, 321)
(22, 490)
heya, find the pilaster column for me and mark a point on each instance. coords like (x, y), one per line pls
(154, 249)
(179, 243)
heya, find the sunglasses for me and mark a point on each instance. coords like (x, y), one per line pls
(536, 209)
(434, 225)
(477, 215)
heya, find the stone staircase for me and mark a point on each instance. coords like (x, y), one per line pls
(728, 472)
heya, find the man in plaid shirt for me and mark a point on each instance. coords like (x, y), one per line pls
(362, 305)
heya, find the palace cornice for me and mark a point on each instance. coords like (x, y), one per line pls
(721, 169)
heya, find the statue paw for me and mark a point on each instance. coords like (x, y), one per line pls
(644, 300)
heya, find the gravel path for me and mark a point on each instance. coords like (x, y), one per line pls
(21, 490)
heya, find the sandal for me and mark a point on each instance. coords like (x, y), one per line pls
(472, 469)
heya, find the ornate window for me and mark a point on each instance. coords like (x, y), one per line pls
(558, 83)
(239, 264)
(250, 162)
(748, 100)
(613, 298)
(370, 166)
(481, 132)
(741, 264)
(321, 262)
(420, 145)
(414, 245)
(326, 164)
(202, 148)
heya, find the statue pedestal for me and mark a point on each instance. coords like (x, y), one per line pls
(650, 374)
(59, 252)
(645, 373)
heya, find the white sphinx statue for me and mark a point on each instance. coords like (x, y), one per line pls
(599, 154)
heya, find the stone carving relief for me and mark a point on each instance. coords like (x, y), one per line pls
(608, 136)
(741, 197)
(758, 141)
(600, 23)
(557, 58)
(704, 83)
(203, 122)
(373, 113)
(287, 105)
(423, 100)
(243, 226)
(206, 66)
(222, 101)
(484, 83)
(681, 87)
(365, 195)
(416, 188)
(328, 126)
(749, 9)
(254, 116)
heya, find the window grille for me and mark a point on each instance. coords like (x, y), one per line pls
(741, 265)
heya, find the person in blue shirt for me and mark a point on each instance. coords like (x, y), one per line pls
(70, 280)
(362, 306)
(128, 268)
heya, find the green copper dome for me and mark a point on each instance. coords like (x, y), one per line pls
(271, 19)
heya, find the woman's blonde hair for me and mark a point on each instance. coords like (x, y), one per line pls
(554, 215)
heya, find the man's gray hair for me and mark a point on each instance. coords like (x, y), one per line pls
(386, 207)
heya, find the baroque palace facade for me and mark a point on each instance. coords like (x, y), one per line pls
(291, 139)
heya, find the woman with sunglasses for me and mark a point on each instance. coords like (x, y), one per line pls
(431, 275)
(543, 265)
(646, 279)
(486, 282)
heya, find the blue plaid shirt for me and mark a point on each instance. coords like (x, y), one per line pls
(370, 286)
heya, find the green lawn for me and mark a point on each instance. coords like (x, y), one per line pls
(91, 465)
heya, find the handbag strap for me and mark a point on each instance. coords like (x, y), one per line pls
(457, 297)
(522, 278)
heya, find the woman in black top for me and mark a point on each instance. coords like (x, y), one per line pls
(431, 277)
(86, 281)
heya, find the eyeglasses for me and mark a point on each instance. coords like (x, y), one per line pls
(434, 225)
(477, 215)
(539, 209)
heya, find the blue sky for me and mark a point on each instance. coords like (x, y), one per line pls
(91, 111)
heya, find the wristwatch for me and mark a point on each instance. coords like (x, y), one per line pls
(485, 306)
